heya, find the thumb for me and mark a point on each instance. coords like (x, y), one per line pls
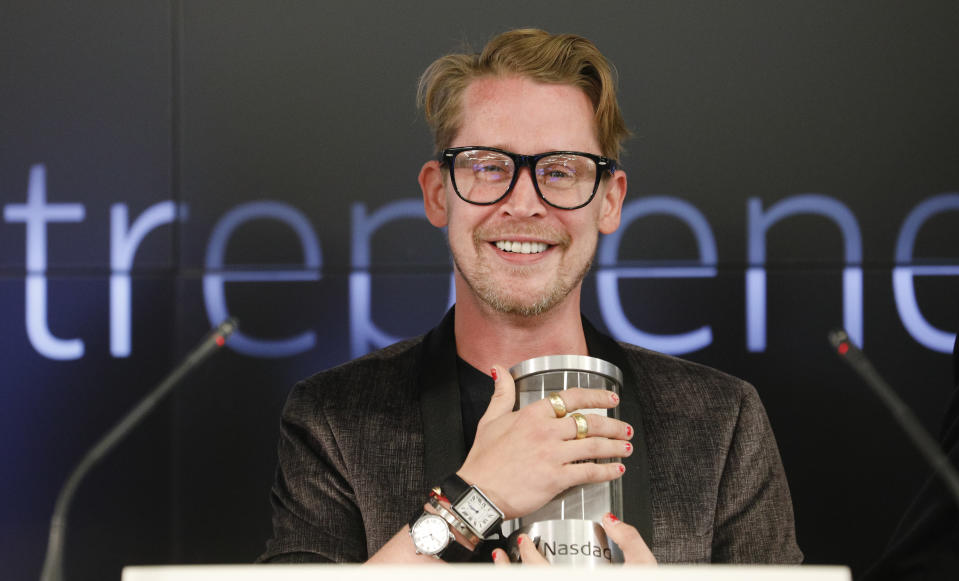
(504, 394)
(635, 549)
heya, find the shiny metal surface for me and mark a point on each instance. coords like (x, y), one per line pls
(580, 543)
(566, 363)
(566, 529)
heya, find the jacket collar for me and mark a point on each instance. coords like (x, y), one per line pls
(443, 444)
(637, 504)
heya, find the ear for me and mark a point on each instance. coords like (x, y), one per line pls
(611, 204)
(434, 193)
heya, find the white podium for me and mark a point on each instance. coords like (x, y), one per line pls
(483, 573)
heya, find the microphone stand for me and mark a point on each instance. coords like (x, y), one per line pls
(927, 446)
(53, 562)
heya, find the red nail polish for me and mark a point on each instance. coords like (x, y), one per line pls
(629, 431)
(614, 397)
(519, 540)
(612, 517)
(493, 373)
(621, 468)
(629, 447)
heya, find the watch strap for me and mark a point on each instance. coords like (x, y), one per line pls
(454, 487)
(455, 553)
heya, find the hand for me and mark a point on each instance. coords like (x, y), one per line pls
(522, 459)
(635, 551)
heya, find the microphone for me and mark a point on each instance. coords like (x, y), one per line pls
(901, 413)
(53, 562)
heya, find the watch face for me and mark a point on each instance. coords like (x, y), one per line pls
(478, 512)
(430, 534)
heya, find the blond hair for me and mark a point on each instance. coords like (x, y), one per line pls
(547, 58)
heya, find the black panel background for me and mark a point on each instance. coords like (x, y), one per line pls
(214, 104)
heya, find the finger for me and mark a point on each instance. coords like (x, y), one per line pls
(635, 550)
(577, 398)
(597, 425)
(575, 474)
(500, 558)
(591, 449)
(528, 553)
(504, 394)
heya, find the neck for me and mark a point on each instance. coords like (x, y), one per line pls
(485, 337)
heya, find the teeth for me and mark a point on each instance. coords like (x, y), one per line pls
(521, 247)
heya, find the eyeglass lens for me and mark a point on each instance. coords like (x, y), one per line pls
(483, 176)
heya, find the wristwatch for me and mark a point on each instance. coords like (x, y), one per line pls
(454, 521)
(432, 536)
(471, 505)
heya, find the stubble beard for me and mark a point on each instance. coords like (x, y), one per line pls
(481, 282)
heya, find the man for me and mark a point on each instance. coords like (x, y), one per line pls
(362, 444)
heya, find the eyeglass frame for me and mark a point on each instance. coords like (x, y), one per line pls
(603, 165)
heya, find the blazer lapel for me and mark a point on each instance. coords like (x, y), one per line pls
(637, 506)
(443, 446)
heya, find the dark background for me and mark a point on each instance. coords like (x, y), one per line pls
(215, 104)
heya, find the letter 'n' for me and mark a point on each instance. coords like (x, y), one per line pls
(759, 223)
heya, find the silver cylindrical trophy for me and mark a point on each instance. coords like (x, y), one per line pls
(567, 529)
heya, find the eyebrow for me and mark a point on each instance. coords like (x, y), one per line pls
(501, 146)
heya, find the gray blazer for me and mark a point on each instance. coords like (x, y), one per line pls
(362, 444)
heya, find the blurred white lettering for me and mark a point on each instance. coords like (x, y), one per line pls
(366, 335)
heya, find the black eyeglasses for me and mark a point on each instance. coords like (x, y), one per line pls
(563, 179)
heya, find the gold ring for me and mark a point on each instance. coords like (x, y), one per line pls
(559, 406)
(582, 426)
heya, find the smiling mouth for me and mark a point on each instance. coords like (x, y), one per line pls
(521, 247)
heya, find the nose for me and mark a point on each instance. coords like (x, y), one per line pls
(523, 201)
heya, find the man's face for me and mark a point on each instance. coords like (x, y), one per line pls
(557, 246)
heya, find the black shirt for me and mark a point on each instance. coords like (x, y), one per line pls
(476, 389)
